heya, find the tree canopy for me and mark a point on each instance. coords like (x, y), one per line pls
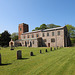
(52, 26)
(71, 30)
(44, 26)
(14, 36)
(5, 38)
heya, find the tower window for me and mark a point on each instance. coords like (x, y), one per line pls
(20, 29)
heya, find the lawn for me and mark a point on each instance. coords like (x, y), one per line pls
(56, 62)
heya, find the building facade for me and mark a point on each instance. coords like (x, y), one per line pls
(43, 38)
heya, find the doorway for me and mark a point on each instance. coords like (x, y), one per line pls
(25, 43)
(48, 44)
(30, 44)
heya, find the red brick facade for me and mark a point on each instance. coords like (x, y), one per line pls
(22, 29)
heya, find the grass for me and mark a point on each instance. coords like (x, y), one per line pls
(58, 62)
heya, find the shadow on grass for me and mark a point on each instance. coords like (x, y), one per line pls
(23, 59)
(42, 53)
(33, 55)
(47, 52)
(5, 64)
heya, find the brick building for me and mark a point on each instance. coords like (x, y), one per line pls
(42, 38)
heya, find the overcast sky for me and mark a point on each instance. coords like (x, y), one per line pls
(35, 12)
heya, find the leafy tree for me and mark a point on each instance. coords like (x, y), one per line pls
(0, 39)
(43, 26)
(52, 26)
(5, 38)
(33, 30)
(14, 36)
(37, 28)
(0, 35)
(71, 30)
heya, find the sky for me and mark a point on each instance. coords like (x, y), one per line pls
(34, 13)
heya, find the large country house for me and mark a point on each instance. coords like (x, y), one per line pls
(41, 38)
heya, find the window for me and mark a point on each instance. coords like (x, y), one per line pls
(33, 42)
(25, 43)
(20, 29)
(44, 40)
(43, 34)
(37, 35)
(52, 40)
(32, 36)
(47, 34)
(28, 36)
(52, 33)
(24, 37)
(58, 32)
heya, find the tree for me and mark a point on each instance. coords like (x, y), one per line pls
(5, 38)
(43, 26)
(52, 26)
(33, 30)
(0, 39)
(37, 28)
(71, 30)
(14, 36)
(0, 35)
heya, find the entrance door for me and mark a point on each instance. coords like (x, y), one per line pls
(25, 43)
(48, 44)
(30, 44)
(12, 44)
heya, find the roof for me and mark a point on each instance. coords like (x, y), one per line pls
(45, 30)
(23, 24)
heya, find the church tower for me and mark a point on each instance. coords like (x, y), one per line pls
(22, 29)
